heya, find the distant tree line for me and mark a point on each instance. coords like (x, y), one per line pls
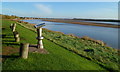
(8, 16)
(15, 17)
(110, 20)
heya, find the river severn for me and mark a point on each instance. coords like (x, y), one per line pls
(105, 34)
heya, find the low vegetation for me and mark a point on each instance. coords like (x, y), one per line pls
(87, 47)
(57, 59)
(66, 51)
(94, 50)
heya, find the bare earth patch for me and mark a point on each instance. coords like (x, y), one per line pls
(34, 49)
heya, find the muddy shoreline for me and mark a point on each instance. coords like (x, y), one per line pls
(83, 23)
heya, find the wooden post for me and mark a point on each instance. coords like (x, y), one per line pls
(39, 32)
(24, 49)
(11, 25)
(14, 33)
(17, 38)
(14, 27)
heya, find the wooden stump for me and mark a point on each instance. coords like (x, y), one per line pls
(24, 48)
(13, 27)
(17, 39)
(16, 36)
(15, 32)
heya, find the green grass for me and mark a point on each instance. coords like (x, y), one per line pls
(58, 58)
(103, 55)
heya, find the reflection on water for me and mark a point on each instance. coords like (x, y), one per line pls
(108, 35)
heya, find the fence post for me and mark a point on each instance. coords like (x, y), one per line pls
(16, 36)
(24, 49)
(13, 27)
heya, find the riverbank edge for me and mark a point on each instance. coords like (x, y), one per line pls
(85, 23)
(84, 37)
(74, 50)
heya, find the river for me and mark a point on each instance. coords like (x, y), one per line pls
(106, 34)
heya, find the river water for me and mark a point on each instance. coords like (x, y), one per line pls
(106, 34)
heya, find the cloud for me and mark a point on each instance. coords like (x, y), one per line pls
(44, 8)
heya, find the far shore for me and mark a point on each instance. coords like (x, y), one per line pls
(83, 23)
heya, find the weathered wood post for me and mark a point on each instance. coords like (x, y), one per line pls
(39, 33)
(14, 27)
(16, 36)
(24, 49)
(11, 25)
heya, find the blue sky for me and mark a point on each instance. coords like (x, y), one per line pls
(62, 9)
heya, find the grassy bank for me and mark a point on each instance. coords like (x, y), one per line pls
(89, 48)
(67, 52)
(57, 59)
(83, 23)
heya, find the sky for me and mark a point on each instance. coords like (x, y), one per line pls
(99, 10)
